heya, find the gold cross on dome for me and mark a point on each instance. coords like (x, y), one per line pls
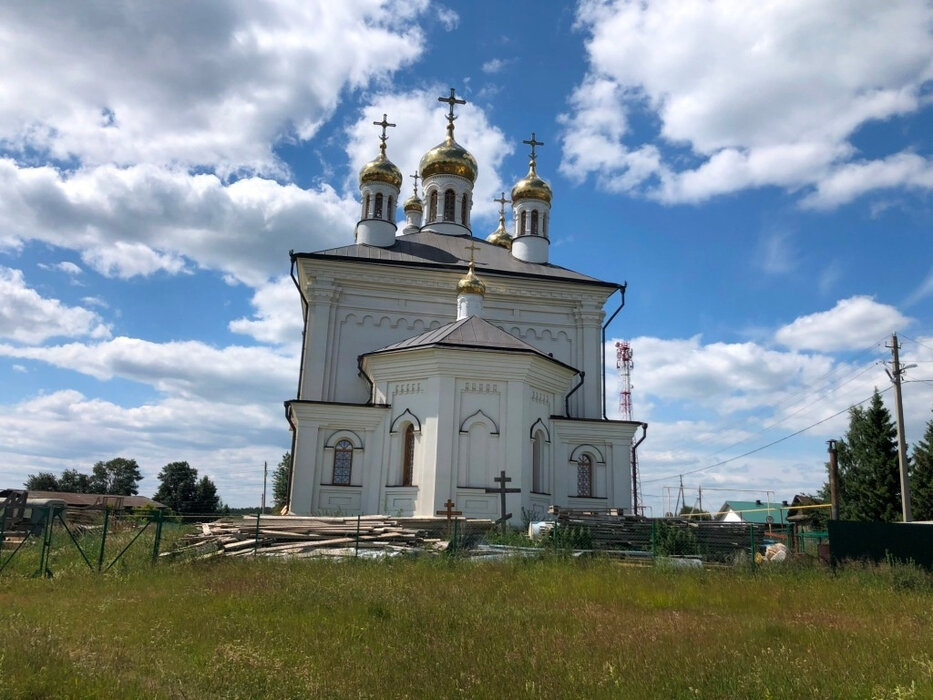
(452, 100)
(472, 248)
(502, 202)
(534, 142)
(384, 124)
(415, 177)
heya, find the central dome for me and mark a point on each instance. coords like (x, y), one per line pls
(449, 158)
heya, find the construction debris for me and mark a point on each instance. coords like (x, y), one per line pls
(296, 536)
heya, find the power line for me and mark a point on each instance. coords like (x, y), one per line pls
(764, 447)
(914, 340)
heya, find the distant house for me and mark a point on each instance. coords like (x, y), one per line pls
(752, 512)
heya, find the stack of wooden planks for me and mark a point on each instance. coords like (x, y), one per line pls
(289, 535)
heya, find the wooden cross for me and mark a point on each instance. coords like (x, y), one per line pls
(502, 480)
(503, 201)
(384, 124)
(534, 142)
(449, 512)
(415, 177)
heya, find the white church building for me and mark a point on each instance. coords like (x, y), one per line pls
(432, 360)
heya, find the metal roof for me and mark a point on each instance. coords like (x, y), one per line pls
(471, 333)
(439, 250)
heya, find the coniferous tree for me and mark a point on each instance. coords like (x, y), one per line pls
(281, 479)
(869, 479)
(205, 496)
(921, 477)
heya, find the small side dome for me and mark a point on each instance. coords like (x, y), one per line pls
(381, 170)
(500, 236)
(413, 203)
(531, 187)
(471, 284)
(449, 158)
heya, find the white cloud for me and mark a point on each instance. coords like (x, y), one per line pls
(852, 324)
(278, 318)
(186, 369)
(493, 65)
(215, 85)
(448, 18)
(27, 317)
(776, 255)
(766, 94)
(420, 129)
(69, 268)
(137, 220)
(923, 290)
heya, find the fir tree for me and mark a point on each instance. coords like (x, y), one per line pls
(869, 478)
(281, 479)
(921, 477)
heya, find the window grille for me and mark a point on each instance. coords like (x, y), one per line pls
(378, 213)
(408, 463)
(343, 463)
(450, 201)
(585, 476)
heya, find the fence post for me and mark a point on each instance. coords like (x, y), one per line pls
(256, 544)
(158, 536)
(654, 537)
(3, 511)
(103, 539)
(751, 531)
(356, 548)
(46, 544)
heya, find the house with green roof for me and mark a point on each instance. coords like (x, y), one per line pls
(763, 512)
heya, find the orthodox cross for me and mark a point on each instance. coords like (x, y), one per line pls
(534, 142)
(449, 512)
(385, 123)
(415, 177)
(502, 480)
(452, 100)
(503, 201)
(472, 248)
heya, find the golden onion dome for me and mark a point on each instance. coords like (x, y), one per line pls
(413, 202)
(471, 284)
(449, 158)
(500, 236)
(531, 187)
(381, 170)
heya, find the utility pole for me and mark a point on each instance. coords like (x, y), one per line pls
(895, 376)
(265, 473)
(833, 481)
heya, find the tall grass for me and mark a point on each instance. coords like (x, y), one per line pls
(551, 627)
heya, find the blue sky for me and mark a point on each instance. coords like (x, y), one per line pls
(759, 173)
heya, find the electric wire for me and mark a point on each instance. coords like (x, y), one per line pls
(764, 447)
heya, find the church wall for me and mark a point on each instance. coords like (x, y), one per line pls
(352, 314)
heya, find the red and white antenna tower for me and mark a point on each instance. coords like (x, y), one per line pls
(624, 364)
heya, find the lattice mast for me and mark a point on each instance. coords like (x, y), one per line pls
(624, 365)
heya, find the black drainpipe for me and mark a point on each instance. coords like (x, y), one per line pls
(570, 393)
(304, 330)
(644, 427)
(622, 287)
(291, 470)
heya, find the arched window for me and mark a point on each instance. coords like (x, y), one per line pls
(585, 475)
(366, 207)
(343, 463)
(390, 209)
(377, 214)
(464, 211)
(450, 203)
(408, 456)
(537, 468)
(534, 222)
(432, 211)
(544, 227)
(521, 228)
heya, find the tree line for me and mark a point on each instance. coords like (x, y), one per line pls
(179, 486)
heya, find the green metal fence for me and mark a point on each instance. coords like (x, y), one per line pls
(881, 542)
(50, 534)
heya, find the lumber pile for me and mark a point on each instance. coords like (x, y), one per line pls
(290, 535)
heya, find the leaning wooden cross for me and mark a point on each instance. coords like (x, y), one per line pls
(502, 480)
(450, 513)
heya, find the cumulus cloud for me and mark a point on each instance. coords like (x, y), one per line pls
(145, 218)
(852, 324)
(769, 95)
(213, 85)
(278, 318)
(183, 369)
(422, 124)
(27, 317)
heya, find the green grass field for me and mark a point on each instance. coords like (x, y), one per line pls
(555, 627)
